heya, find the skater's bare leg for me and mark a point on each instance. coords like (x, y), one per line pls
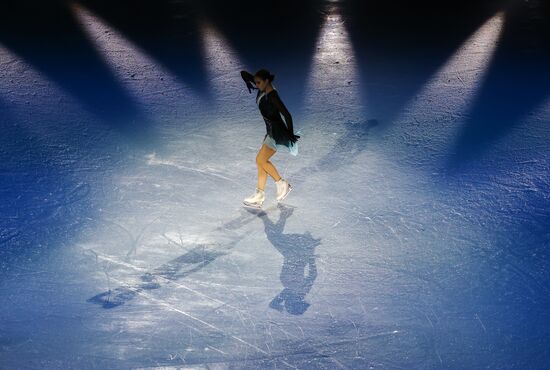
(262, 178)
(263, 163)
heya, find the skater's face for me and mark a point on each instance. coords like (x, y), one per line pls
(261, 84)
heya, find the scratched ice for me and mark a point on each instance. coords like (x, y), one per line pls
(379, 258)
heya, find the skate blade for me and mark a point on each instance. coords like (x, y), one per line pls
(251, 205)
(286, 195)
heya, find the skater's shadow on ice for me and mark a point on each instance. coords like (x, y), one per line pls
(299, 271)
(349, 145)
(178, 268)
(175, 269)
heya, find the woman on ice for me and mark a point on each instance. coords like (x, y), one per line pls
(279, 134)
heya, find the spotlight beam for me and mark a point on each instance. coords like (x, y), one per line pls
(334, 78)
(145, 78)
(27, 90)
(429, 121)
(223, 66)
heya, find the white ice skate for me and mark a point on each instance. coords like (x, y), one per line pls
(256, 200)
(283, 188)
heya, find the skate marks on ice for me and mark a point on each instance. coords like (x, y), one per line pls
(297, 250)
(173, 270)
(178, 268)
(298, 274)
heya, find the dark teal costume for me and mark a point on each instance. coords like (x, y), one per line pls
(271, 107)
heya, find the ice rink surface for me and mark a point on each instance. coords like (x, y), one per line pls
(417, 234)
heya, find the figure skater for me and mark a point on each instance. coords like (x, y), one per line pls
(279, 134)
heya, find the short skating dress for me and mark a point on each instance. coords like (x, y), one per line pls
(278, 134)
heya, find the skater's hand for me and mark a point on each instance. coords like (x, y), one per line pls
(293, 138)
(249, 80)
(250, 86)
(285, 210)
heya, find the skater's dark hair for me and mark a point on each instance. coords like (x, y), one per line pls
(264, 74)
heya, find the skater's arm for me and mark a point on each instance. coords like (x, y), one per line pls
(247, 77)
(249, 80)
(286, 114)
(281, 107)
(312, 274)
